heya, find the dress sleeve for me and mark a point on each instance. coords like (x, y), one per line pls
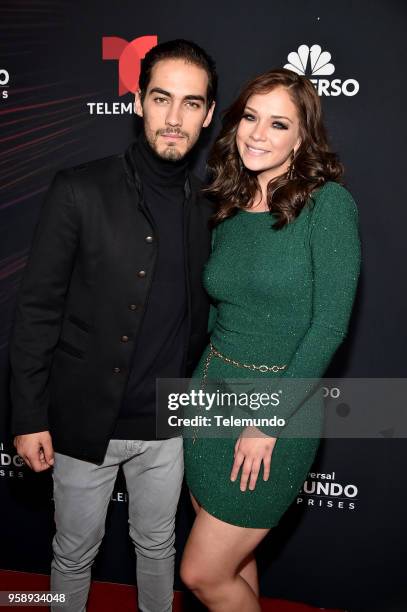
(336, 258)
(213, 311)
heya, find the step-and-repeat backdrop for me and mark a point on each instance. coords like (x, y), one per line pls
(66, 97)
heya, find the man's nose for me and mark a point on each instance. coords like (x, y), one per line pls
(174, 115)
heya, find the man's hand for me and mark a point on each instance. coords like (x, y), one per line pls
(252, 448)
(36, 450)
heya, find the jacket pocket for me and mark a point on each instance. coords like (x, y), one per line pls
(79, 323)
(66, 347)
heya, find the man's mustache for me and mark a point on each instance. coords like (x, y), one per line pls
(172, 133)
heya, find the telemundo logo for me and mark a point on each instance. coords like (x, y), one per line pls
(4, 83)
(316, 63)
(321, 490)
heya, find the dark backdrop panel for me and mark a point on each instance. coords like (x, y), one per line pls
(329, 551)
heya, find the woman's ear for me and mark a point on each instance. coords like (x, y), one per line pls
(297, 146)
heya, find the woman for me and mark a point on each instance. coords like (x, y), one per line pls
(282, 277)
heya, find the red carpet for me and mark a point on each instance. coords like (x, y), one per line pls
(108, 596)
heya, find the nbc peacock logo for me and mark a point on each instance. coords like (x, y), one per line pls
(315, 63)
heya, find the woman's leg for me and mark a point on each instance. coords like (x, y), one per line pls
(248, 571)
(212, 559)
(248, 567)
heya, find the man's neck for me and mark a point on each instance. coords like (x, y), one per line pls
(157, 170)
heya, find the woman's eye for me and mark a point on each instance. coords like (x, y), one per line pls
(248, 117)
(279, 126)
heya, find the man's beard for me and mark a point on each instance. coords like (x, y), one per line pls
(170, 152)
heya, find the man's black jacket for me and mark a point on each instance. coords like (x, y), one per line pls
(82, 298)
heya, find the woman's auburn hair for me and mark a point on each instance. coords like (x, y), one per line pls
(234, 187)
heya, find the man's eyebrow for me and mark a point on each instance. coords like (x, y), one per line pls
(169, 95)
(273, 116)
(161, 91)
(195, 97)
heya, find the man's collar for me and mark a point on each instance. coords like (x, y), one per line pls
(134, 176)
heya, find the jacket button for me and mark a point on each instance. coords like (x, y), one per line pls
(124, 339)
(133, 306)
(149, 239)
(116, 370)
(141, 274)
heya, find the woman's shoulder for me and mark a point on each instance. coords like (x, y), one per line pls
(333, 199)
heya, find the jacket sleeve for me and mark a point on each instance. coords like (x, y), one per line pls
(40, 307)
(336, 257)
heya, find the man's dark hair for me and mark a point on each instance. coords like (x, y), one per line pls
(179, 49)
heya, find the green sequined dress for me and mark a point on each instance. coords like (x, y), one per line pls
(279, 297)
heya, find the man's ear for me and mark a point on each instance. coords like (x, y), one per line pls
(138, 107)
(209, 115)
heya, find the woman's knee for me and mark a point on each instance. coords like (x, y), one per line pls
(196, 576)
(189, 574)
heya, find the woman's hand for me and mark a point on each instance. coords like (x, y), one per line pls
(251, 448)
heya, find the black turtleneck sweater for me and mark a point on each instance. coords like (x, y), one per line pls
(159, 349)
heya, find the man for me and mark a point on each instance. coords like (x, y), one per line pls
(112, 299)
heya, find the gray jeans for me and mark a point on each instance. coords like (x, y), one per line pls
(82, 491)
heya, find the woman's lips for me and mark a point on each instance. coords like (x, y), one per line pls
(255, 151)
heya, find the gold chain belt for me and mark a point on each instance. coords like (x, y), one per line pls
(248, 366)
